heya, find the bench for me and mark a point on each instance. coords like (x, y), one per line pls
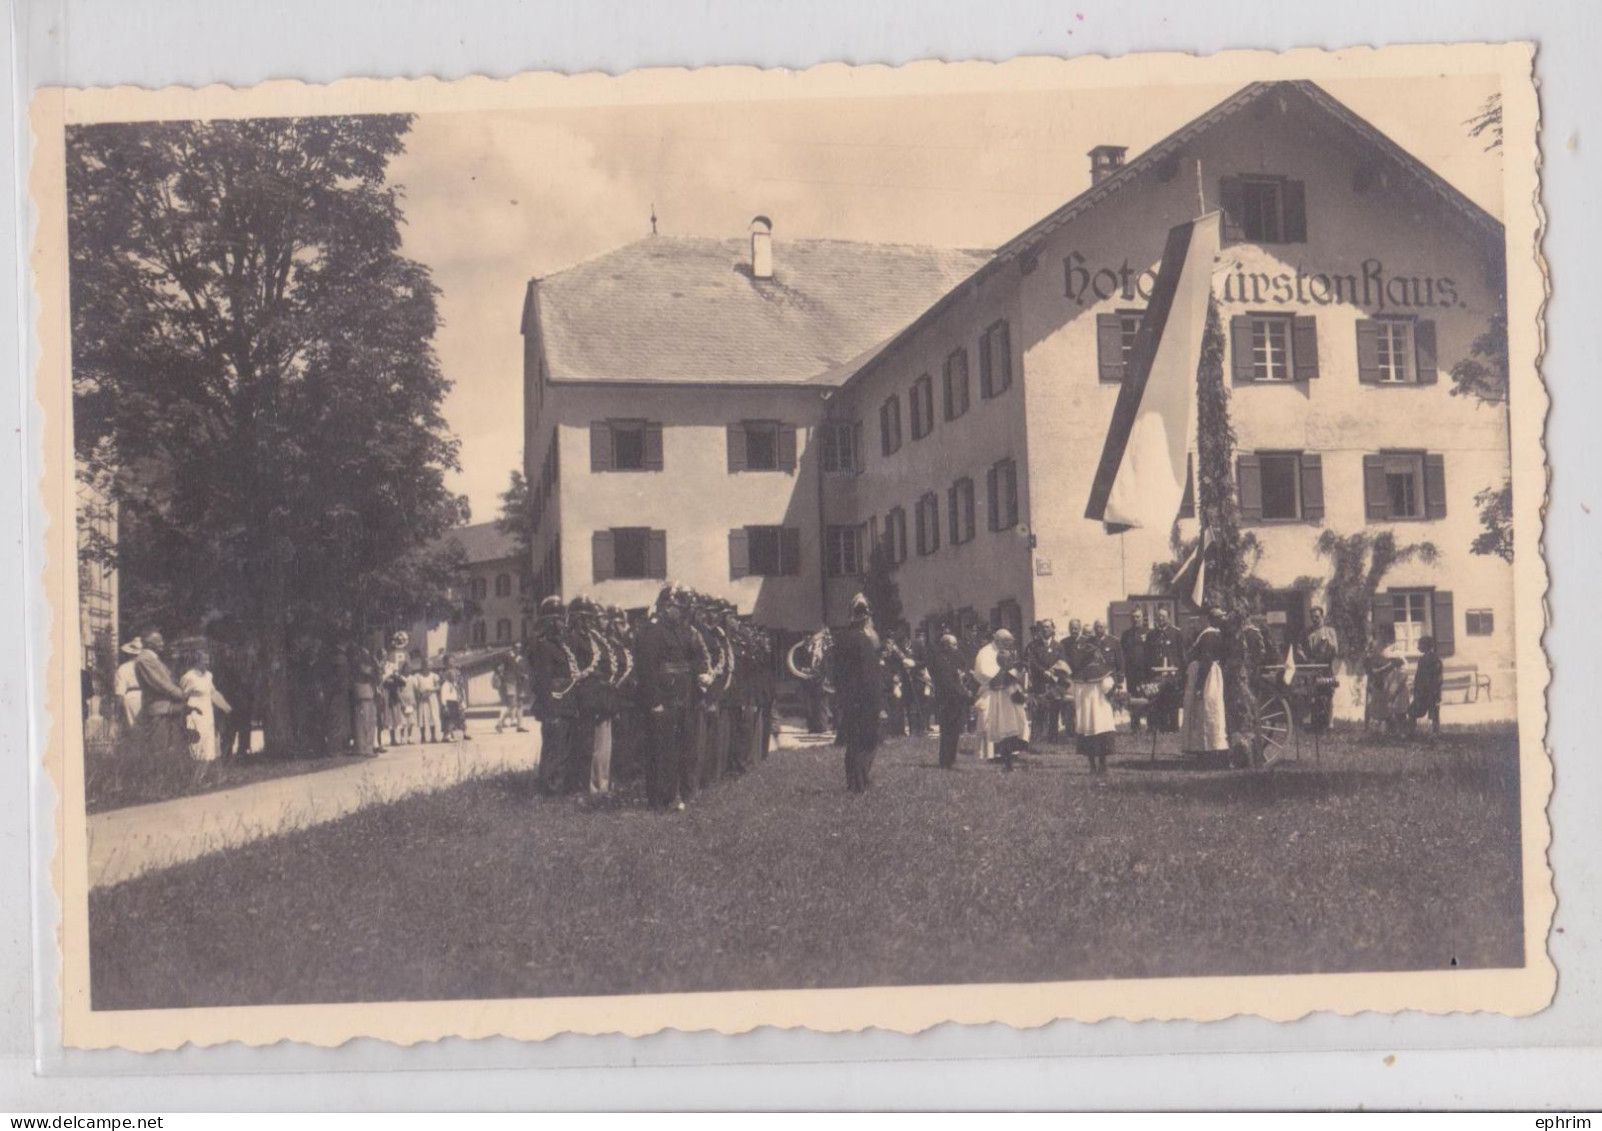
(1466, 678)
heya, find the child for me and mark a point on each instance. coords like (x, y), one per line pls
(1427, 686)
(450, 706)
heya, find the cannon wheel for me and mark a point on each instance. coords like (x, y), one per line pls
(1276, 728)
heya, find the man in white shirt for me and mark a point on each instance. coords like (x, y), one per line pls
(1003, 717)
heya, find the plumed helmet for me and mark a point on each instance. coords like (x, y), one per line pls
(551, 607)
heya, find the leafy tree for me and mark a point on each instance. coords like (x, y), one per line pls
(1496, 517)
(253, 372)
(1487, 122)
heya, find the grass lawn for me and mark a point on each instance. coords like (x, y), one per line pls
(115, 779)
(1382, 856)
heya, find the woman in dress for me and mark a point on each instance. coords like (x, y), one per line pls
(1206, 727)
(1388, 698)
(202, 701)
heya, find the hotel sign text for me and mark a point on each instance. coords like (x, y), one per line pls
(1372, 287)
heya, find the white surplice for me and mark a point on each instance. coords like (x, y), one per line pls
(999, 716)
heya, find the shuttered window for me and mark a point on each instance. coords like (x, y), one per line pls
(625, 445)
(928, 523)
(764, 551)
(837, 445)
(1406, 615)
(1398, 486)
(628, 552)
(1396, 351)
(1115, 343)
(1264, 209)
(1001, 485)
(995, 360)
(1280, 486)
(895, 535)
(955, 380)
(959, 508)
(890, 426)
(1273, 347)
(920, 406)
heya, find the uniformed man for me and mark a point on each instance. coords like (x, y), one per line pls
(1041, 656)
(667, 670)
(553, 677)
(1321, 645)
(859, 683)
(951, 699)
(1165, 664)
(1132, 646)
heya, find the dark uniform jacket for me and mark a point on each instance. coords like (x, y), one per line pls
(945, 672)
(859, 682)
(666, 666)
(551, 674)
(1165, 648)
(1133, 646)
(1092, 658)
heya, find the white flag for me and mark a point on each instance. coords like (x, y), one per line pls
(1141, 479)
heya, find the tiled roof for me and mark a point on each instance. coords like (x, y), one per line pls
(675, 308)
(481, 542)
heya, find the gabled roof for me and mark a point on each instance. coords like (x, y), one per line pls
(1024, 244)
(481, 542)
(686, 309)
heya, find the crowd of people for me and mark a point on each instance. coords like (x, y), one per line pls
(684, 693)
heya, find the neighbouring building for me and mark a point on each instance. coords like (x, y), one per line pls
(751, 420)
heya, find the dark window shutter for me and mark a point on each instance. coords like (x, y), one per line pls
(1110, 347)
(1010, 501)
(1434, 486)
(1376, 503)
(1240, 347)
(884, 429)
(967, 509)
(1187, 504)
(1001, 343)
(600, 446)
(992, 497)
(1312, 487)
(1368, 366)
(856, 448)
(1442, 626)
(1424, 351)
(1382, 614)
(1294, 200)
(1304, 346)
(789, 550)
(656, 554)
(737, 447)
(986, 370)
(1229, 198)
(1249, 482)
(601, 553)
(653, 447)
(787, 447)
(739, 552)
(952, 502)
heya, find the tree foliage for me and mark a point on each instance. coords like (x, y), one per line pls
(1359, 563)
(883, 593)
(1496, 521)
(254, 375)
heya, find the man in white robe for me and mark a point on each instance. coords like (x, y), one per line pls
(1003, 718)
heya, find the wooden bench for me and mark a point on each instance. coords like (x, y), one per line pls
(1466, 678)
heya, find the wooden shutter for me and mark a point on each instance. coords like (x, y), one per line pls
(656, 554)
(1293, 198)
(1434, 486)
(1229, 198)
(602, 556)
(985, 369)
(653, 447)
(1368, 366)
(1312, 487)
(951, 509)
(1187, 503)
(992, 498)
(1249, 483)
(787, 447)
(1382, 616)
(789, 550)
(1442, 626)
(1424, 352)
(737, 447)
(1376, 502)
(1001, 344)
(1304, 346)
(739, 552)
(1110, 347)
(600, 446)
(1240, 347)
(856, 448)
(884, 429)
(1010, 500)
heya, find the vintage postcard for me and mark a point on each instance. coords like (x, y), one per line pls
(858, 547)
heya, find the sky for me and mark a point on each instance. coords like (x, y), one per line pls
(493, 198)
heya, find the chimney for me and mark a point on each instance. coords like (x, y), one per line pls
(1105, 160)
(761, 248)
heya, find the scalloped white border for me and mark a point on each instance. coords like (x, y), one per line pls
(900, 1009)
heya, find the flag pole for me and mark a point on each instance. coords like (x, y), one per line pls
(1201, 196)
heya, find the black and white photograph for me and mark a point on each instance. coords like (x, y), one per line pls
(1060, 536)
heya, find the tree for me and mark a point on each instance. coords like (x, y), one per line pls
(253, 371)
(1496, 517)
(1487, 122)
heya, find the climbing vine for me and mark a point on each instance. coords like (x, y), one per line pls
(1359, 563)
